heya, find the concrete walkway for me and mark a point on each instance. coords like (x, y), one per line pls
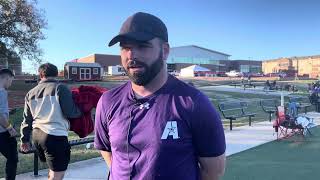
(239, 139)
(246, 137)
(92, 169)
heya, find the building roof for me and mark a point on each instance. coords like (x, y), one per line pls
(77, 64)
(106, 60)
(197, 68)
(306, 57)
(115, 65)
(74, 60)
(294, 57)
(209, 50)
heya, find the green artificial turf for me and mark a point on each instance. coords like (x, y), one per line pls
(289, 159)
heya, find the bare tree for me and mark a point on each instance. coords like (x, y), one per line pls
(21, 25)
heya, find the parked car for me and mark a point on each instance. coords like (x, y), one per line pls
(234, 74)
(281, 75)
(174, 73)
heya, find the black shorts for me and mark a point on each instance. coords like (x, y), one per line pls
(55, 150)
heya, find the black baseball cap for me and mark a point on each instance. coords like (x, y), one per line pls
(141, 27)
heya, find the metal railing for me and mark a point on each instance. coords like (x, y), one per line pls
(74, 142)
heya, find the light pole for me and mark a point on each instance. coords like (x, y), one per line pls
(297, 73)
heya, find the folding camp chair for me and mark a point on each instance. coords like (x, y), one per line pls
(285, 125)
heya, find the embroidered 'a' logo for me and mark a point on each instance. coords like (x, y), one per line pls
(171, 129)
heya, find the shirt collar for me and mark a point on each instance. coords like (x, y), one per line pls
(165, 88)
(47, 81)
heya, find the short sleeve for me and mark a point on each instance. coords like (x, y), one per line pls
(101, 140)
(207, 130)
(3, 102)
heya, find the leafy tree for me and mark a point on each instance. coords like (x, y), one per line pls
(21, 25)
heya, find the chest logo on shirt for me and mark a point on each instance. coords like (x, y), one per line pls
(171, 129)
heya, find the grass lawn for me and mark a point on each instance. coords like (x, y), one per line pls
(20, 85)
(253, 101)
(105, 84)
(278, 160)
(254, 105)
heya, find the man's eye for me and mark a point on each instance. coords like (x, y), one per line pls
(125, 48)
(144, 46)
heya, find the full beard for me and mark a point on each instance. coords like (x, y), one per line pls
(145, 77)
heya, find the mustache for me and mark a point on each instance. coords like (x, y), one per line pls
(135, 63)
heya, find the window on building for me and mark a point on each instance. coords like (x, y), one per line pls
(95, 70)
(120, 69)
(74, 70)
(244, 68)
(255, 69)
(283, 64)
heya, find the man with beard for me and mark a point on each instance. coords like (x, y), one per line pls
(156, 126)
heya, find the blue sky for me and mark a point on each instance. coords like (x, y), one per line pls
(245, 29)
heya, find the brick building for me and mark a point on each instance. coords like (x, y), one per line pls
(13, 63)
(301, 66)
(104, 60)
(184, 56)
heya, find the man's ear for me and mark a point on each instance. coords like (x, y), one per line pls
(165, 50)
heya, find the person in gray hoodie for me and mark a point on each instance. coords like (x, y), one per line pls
(47, 109)
(8, 143)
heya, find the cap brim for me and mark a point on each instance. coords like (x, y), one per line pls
(133, 36)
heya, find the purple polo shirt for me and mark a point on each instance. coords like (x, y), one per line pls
(160, 136)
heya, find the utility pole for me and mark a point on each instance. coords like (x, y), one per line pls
(297, 72)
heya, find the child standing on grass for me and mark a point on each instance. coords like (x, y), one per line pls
(8, 143)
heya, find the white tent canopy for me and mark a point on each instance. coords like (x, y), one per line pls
(197, 68)
(190, 70)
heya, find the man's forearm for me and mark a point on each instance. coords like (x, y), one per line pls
(107, 157)
(26, 124)
(212, 168)
(25, 131)
(4, 121)
(208, 176)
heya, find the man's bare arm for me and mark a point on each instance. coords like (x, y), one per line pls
(107, 157)
(212, 168)
(4, 121)
(5, 124)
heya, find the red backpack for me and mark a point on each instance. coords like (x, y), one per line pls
(86, 98)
